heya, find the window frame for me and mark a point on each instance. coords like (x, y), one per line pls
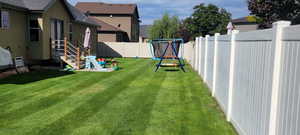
(70, 32)
(2, 19)
(38, 28)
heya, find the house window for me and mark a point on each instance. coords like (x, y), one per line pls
(34, 30)
(4, 19)
(70, 32)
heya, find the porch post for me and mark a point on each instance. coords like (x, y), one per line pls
(65, 48)
(78, 57)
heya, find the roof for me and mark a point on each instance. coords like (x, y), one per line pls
(16, 3)
(144, 30)
(41, 5)
(105, 26)
(29, 4)
(104, 8)
(79, 16)
(245, 20)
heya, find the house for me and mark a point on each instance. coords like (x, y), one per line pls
(34, 28)
(245, 24)
(123, 17)
(109, 33)
(144, 33)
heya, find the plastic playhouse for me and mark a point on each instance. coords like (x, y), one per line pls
(94, 64)
(100, 64)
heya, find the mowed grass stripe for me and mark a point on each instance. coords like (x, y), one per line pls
(135, 118)
(129, 113)
(205, 115)
(44, 102)
(70, 83)
(39, 80)
(32, 80)
(43, 96)
(134, 100)
(53, 99)
(90, 107)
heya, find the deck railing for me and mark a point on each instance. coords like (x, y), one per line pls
(70, 52)
(255, 77)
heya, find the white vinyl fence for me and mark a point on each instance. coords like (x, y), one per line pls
(132, 50)
(255, 77)
(122, 49)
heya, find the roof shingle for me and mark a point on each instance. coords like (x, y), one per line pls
(104, 8)
(40, 5)
(29, 4)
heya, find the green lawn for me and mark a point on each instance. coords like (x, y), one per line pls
(134, 100)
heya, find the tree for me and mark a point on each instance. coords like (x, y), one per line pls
(167, 27)
(183, 31)
(207, 20)
(270, 11)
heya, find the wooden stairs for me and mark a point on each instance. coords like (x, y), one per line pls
(72, 55)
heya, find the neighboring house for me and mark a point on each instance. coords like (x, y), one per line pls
(29, 28)
(121, 16)
(144, 33)
(245, 24)
(110, 33)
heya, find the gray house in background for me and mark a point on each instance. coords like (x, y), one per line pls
(245, 24)
(144, 33)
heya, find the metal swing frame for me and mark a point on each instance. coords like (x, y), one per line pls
(172, 44)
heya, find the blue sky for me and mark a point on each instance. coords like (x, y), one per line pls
(153, 9)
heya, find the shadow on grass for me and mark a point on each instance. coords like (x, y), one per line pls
(172, 70)
(34, 76)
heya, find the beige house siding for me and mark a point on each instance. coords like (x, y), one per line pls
(107, 37)
(57, 11)
(125, 22)
(15, 36)
(246, 27)
(35, 49)
(79, 34)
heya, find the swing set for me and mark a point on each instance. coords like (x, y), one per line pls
(168, 50)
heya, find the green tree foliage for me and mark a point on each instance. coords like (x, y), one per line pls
(207, 20)
(273, 10)
(184, 31)
(167, 27)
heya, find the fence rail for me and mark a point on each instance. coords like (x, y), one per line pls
(133, 50)
(255, 77)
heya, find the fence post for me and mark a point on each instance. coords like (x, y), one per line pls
(215, 63)
(277, 42)
(200, 55)
(205, 59)
(196, 54)
(231, 73)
